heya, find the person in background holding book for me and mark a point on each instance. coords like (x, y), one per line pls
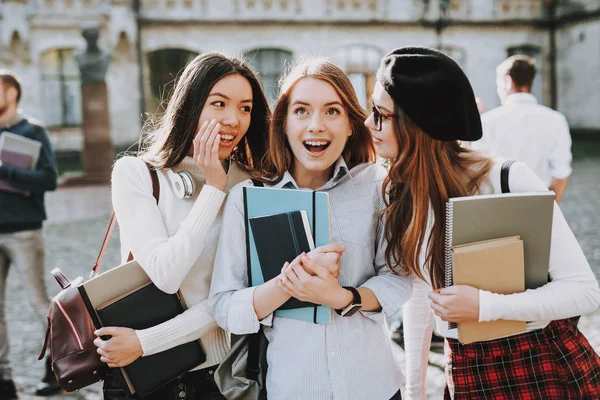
(423, 108)
(317, 141)
(21, 218)
(523, 130)
(214, 133)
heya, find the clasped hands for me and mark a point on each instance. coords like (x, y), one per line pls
(314, 276)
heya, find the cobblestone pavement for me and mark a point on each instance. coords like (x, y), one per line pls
(78, 218)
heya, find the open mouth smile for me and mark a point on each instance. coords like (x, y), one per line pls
(316, 146)
(227, 139)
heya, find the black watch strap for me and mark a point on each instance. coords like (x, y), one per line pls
(355, 301)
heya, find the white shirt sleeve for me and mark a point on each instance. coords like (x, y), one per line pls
(231, 299)
(391, 290)
(560, 156)
(190, 325)
(167, 260)
(417, 321)
(573, 289)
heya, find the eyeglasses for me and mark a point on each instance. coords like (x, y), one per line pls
(378, 117)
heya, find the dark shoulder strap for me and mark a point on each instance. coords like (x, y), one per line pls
(257, 183)
(113, 220)
(155, 192)
(504, 176)
(155, 184)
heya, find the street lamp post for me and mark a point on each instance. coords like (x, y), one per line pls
(442, 20)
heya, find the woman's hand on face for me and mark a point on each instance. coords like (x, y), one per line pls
(458, 303)
(321, 288)
(121, 349)
(327, 256)
(206, 154)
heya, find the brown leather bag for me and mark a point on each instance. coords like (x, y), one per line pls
(70, 333)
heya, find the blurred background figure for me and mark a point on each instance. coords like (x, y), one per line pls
(22, 212)
(524, 130)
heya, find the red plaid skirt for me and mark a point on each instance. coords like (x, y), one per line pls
(556, 362)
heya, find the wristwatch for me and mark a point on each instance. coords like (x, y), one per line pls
(356, 304)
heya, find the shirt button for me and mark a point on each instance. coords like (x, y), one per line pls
(182, 395)
(181, 386)
(210, 372)
(332, 353)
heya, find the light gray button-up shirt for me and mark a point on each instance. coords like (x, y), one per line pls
(350, 357)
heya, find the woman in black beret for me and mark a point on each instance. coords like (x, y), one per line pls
(424, 111)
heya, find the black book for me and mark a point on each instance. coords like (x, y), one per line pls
(142, 308)
(280, 238)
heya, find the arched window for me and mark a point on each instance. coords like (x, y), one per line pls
(270, 64)
(165, 65)
(360, 63)
(61, 88)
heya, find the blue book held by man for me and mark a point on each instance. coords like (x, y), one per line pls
(279, 206)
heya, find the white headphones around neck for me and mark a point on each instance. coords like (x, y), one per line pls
(183, 183)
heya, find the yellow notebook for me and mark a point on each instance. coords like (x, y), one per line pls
(497, 266)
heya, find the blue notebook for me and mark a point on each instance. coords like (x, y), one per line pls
(261, 201)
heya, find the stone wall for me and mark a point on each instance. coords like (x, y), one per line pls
(478, 36)
(578, 73)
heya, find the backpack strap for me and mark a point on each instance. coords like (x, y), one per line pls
(504, 176)
(113, 220)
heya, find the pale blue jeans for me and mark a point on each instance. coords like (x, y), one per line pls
(24, 252)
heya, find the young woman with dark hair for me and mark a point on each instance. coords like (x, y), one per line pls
(318, 141)
(213, 134)
(423, 110)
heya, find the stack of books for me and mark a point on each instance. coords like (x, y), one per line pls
(280, 225)
(499, 243)
(125, 296)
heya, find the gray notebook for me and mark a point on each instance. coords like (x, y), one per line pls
(528, 215)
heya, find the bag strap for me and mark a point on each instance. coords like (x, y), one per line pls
(113, 220)
(504, 175)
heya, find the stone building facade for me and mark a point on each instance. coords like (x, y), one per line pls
(151, 40)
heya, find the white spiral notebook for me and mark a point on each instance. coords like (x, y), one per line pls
(527, 215)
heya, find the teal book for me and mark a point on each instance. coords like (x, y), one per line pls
(261, 202)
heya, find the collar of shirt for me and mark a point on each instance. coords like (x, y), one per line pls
(339, 171)
(17, 118)
(520, 98)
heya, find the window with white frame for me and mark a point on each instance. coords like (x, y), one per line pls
(61, 88)
(360, 63)
(270, 64)
(165, 66)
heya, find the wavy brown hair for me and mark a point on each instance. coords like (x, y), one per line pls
(424, 175)
(359, 147)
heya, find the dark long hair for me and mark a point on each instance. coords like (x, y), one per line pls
(359, 147)
(168, 145)
(424, 175)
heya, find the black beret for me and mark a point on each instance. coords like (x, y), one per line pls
(432, 90)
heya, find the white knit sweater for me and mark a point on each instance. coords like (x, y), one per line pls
(175, 243)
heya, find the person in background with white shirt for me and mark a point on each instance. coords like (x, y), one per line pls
(423, 110)
(523, 130)
(213, 134)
